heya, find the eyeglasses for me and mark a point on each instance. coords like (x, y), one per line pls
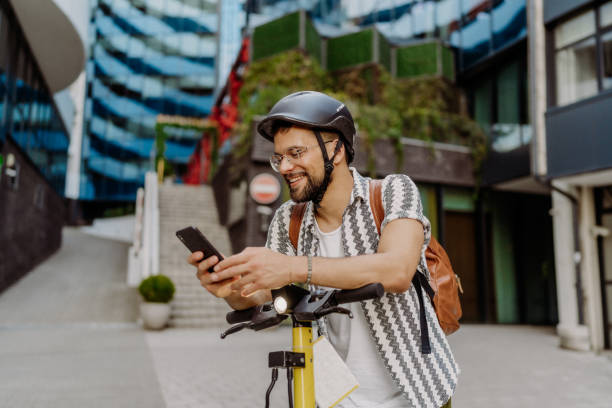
(293, 154)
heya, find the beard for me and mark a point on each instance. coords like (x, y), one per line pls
(312, 191)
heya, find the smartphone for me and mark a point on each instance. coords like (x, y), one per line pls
(196, 241)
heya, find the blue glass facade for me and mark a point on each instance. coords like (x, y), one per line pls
(28, 114)
(150, 57)
(146, 58)
(489, 27)
(477, 28)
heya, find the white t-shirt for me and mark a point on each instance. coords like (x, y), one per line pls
(376, 388)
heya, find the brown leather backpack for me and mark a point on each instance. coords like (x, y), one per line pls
(444, 285)
(443, 281)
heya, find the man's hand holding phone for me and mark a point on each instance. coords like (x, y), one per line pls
(221, 289)
(204, 257)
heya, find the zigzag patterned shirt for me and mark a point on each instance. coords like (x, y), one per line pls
(426, 380)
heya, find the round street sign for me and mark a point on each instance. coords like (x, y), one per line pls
(265, 188)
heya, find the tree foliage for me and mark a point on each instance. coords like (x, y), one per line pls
(425, 108)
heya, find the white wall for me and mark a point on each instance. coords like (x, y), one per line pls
(73, 166)
(572, 334)
(65, 106)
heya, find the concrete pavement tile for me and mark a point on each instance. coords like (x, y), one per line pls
(196, 368)
(510, 366)
(503, 366)
(70, 367)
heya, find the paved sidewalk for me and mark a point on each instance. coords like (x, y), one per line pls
(69, 338)
(77, 366)
(196, 368)
(502, 366)
(68, 332)
(123, 366)
(522, 366)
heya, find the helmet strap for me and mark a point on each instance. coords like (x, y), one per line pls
(329, 167)
(321, 145)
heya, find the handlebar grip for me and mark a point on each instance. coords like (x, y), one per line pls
(238, 316)
(371, 291)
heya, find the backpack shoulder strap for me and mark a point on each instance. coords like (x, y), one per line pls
(297, 213)
(419, 280)
(376, 202)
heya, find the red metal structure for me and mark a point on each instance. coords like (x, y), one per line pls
(203, 161)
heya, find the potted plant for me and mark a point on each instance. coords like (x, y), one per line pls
(157, 292)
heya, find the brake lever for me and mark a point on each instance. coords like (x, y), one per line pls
(333, 309)
(263, 317)
(234, 329)
(270, 322)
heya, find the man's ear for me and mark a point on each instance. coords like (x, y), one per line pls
(339, 157)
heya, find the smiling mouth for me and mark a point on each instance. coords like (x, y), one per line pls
(294, 179)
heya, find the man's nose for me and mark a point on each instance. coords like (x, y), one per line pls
(285, 165)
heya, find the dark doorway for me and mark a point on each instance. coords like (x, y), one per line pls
(534, 260)
(460, 244)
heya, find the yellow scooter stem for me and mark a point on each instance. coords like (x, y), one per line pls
(303, 378)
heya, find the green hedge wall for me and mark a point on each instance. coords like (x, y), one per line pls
(448, 63)
(353, 49)
(313, 40)
(417, 60)
(384, 52)
(349, 50)
(276, 36)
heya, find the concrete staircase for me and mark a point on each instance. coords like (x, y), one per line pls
(179, 207)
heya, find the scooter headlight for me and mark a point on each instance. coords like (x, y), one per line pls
(280, 305)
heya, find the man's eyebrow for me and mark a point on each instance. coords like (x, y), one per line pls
(289, 148)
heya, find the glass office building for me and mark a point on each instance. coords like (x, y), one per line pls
(477, 28)
(28, 115)
(169, 56)
(478, 31)
(146, 58)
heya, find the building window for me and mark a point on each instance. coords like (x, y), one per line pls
(483, 114)
(583, 44)
(606, 42)
(476, 31)
(488, 26)
(605, 15)
(499, 105)
(26, 106)
(576, 59)
(507, 134)
(4, 50)
(605, 22)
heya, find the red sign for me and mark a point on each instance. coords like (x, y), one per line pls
(265, 188)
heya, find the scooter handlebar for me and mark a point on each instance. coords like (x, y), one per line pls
(371, 291)
(239, 316)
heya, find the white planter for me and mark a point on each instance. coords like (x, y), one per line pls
(155, 315)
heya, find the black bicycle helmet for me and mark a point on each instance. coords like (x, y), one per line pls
(312, 110)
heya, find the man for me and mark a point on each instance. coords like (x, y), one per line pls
(339, 247)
